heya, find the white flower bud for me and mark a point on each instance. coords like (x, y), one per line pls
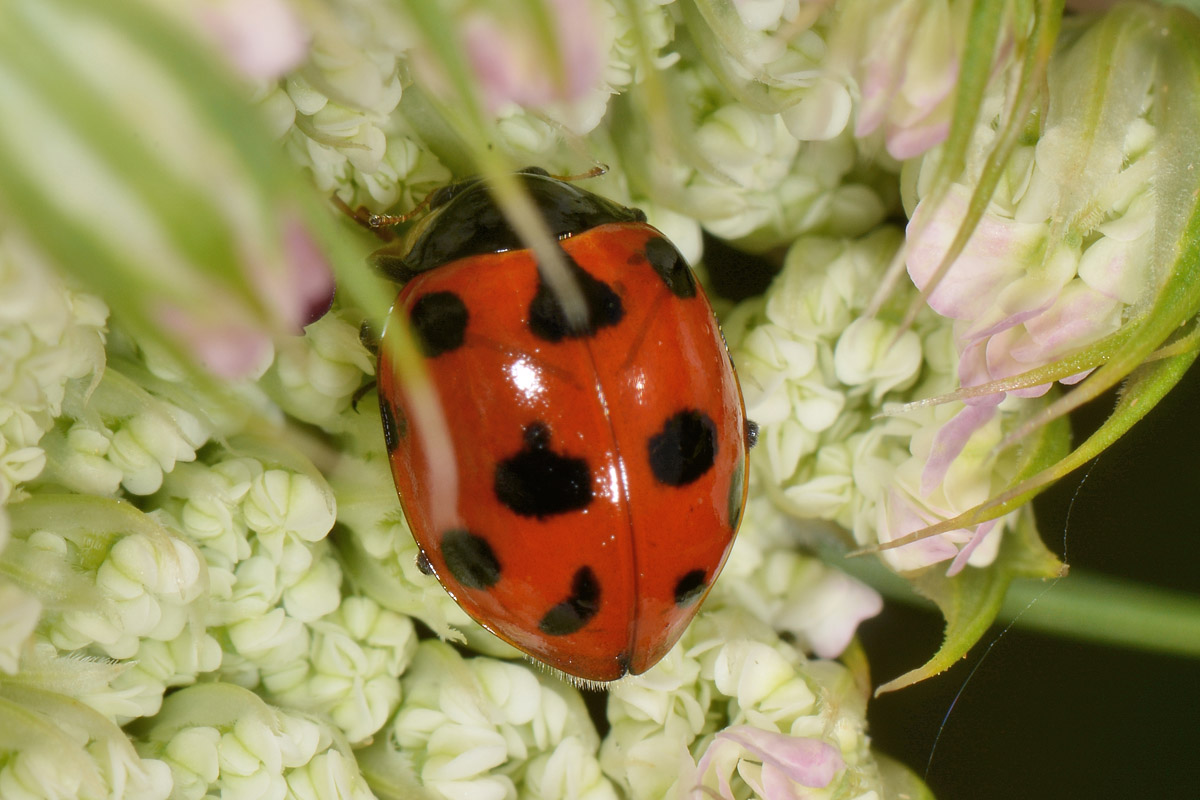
(281, 502)
(873, 353)
(19, 613)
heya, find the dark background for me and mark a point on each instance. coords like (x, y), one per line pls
(1046, 717)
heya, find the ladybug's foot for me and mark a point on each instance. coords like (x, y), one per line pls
(362, 392)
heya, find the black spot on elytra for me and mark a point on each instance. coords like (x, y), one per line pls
(439, 320)
(537, 482)
(671, 268)
(470, 559)
(548, 319)
(423, 564)
(684, 449)
(578, 609)
(690, 587)
(395, 425)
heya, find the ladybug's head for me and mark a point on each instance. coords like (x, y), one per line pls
(464, 220)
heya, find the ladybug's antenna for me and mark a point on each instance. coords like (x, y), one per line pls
(376, 221)
(594, 172)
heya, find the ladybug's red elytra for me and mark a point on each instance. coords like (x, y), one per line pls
(601, 468)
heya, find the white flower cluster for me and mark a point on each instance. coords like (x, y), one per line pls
(481, 727)
(55, 748)
(745, 175)
(815, 372)
(220, 740)
(797, 595)
(120, 436)
(260, 518)
(335, 113)
(730, 670)
(50, 337)
(349, 673)
(315, 377)
(116, 586)
(379, 552)
(359, 113)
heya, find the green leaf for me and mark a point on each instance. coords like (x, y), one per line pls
(971, 599)
(900, 782)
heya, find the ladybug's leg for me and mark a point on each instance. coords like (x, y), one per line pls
(370, 340)
(391, 265)
(363, 217)
(369, 337)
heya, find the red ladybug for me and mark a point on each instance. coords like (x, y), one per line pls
(601, 468)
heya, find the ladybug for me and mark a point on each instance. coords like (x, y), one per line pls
(601, 465)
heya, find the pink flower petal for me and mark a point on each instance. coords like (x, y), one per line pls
(808, 762)
(949, 441)
(1003, 361)
(995, 256)
(1080, 316)
(974, 369)
(310, 285)
(228, 349)
(262, 38)
(297, 288)
(964, 555)
(901, 516)
(788, 761)
(911, 141)
(511, 68)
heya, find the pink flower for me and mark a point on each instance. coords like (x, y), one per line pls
(790, 764)
(230, 333)
(302, 291)
(512, 67)
(263, 39)
(902, 514)
(229, 348)
(904, 58)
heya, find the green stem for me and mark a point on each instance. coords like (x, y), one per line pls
(1084, 606)
(1097, 608)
